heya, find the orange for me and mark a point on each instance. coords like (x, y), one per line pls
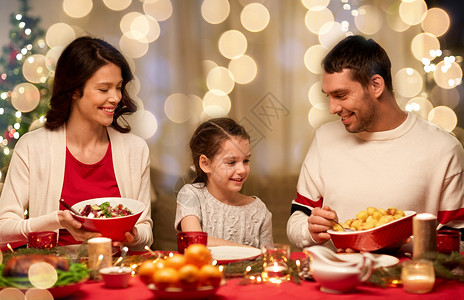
(176, 261)
(166, 277)
(198, 255)
(210, 275)
(189, 276)
(147, 269)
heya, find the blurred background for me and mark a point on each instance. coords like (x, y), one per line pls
(257, 61)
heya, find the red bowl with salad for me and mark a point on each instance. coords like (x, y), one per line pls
(110, 216)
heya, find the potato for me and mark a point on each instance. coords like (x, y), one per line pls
(362, 215)
(373, 217)
(371, 210)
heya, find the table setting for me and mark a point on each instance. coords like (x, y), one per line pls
(95, 269)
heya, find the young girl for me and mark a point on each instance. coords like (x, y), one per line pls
(213, 203)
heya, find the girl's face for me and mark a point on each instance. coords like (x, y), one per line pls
(230, 167)
(101, 95)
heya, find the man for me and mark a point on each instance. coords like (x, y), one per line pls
(376, 155)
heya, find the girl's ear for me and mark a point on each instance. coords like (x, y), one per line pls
(205, 164)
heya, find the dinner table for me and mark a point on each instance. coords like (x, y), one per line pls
(235, 288)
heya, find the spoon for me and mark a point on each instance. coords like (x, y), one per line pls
(124, 251)
(343, 227)
(65, 204)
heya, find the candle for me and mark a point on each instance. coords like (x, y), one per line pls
(418, 276)
(275, 268)
(425, 234)
(99, 255)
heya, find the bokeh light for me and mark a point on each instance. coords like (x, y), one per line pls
(413, 12)
(243, 69)
(316, 19)
(132, 48)
(117, 5)
(52, 56)
(369, 19)
(77, 8)
(42, 275)
(315, 4)
(448, 74)
(220, 80)
(143, 123)
(436, 22)
(12, 294)
(196, 104)
(215, 11)
(232, 44)
(331, 34)
(424, 45)
(313, 58)
(447, 97)
(255, 17)
(392, 16)
(140, 27)
(318, 116)
(317, 98)
(38, 294)
(444, 117)
(408, 82)
(208, 65)
(59, 34)
(25, 97)
(161, 10)
(215, 105)
(177, 108)
(35, 69)
(420, 106)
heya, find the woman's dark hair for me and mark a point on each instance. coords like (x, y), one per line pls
(78, 62)
(364, 58)
(208, 138)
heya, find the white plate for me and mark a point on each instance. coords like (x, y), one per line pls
(228, 254)
(381, 260)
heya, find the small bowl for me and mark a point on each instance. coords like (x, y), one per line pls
(113, 228)
(116, 277)
(375, 238)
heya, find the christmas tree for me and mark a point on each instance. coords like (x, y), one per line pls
(24, 81)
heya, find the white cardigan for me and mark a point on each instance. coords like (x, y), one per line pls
(35, 180)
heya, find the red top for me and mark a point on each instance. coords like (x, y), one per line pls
(82, 182)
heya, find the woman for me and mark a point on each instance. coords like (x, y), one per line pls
(84, 151)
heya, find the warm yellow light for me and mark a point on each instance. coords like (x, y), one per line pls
(315, 4)
(318, 116)
(444, 117)
(208, 65)
(143, 123)
(161, 10)
(35, 68)
(215, 11)
(59, 34)
(412, 12)
(447, 97)
(331, 34)
(42, 275)
(313, 58)
(177, 108)
(448, 74)
(425, 45)
(77, 8)
(11, 294)
(243, 69)
(232, 44)
(52, 57)
(137, 26)
(315, 20)
(369, 19)
(393, 18)
(117, 5)
(25, 97)
(255, 17)
(436, 22)
(317, 97)
(216, 105)
(132, 48)
(420, 106)
(220, 80)
(37, 294)
(408, 82)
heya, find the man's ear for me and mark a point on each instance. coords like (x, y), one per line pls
(205, 164)
(377, 85)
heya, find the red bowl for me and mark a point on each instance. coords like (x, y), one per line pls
(375, 238)
(113, 228)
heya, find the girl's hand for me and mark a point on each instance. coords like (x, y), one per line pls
(319, 222)
(130, 238)
(74, 226)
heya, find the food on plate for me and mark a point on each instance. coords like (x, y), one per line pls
(105, 210)
(187, 271)
(15, 270)
(371, 218)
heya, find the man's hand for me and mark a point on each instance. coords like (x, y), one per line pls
(319, 222)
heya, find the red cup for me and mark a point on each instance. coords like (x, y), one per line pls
(187, 238)
(448, 241)
(42, 240)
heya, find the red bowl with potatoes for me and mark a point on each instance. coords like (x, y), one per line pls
(376, 238)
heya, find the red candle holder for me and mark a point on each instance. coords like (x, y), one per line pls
(42, 240)
(448, 241)
(187, 238)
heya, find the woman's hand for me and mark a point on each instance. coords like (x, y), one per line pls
(319, 222)
(131, 237)
(75, 227)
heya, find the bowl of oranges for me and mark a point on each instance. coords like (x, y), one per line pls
(182, 276)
